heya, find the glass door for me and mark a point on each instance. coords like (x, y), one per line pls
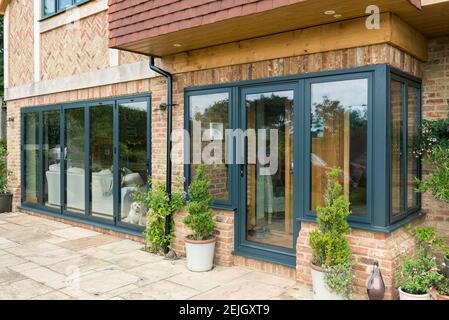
(74, 165)
(266, 174)
(101, 154)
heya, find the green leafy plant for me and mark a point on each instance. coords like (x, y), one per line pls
(442, 287)
(4, 172)
(416, 275)
(330, 246)
(200, 218)
(160, 208)
(428, 240)
(431, 143)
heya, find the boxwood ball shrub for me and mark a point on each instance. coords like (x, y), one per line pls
(200, 218)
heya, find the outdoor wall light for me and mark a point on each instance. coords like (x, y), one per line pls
(163, 106)
(10, 119)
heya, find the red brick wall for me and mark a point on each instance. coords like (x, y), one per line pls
(436, 106)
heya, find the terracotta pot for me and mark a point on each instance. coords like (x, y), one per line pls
(320, 289)
(200, 254)
(5, 202)
(408, 296)
(441, 297)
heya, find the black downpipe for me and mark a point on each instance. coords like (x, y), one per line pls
(169, 78)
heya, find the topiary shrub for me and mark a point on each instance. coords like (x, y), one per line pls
(4, 172)
(330, 247)
(200, 218)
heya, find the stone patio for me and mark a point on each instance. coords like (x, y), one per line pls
(45, 259)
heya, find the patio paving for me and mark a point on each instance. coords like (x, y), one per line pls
(45, 259)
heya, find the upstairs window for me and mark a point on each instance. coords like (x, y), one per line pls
(52, 7)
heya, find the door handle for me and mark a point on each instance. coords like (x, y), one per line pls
(242, 170)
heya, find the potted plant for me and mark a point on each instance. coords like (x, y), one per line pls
(332, 264)
(160, 209)
(442, 289)
(417, 274)
(200, 245)
(5, 196)
(428, 239)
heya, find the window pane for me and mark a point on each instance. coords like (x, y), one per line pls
(101, 144)
(52, 159)
(413, 162)
(62, 4)
(31, 156)
(397, 181)
(133, 158)
(74, 155)
(208, 122)
(269, 191)
(339, 138)
(49, 7)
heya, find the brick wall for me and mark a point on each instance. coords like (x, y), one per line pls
(75, 48)
(21, 39)
(435, 106)
(367, 245)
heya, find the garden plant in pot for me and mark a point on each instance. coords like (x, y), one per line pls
(200, 246)
(332, 263)
(418, 273)
(442, 289)
(160, 209)
(5, 196)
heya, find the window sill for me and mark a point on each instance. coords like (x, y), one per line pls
(68, 9)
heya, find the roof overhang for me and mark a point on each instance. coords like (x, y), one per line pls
(139, 38)
(3, 5)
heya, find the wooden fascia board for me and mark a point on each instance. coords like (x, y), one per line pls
(334, 36)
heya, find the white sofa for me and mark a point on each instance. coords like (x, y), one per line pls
(102, 195)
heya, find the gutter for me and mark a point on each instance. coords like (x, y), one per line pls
(169, 107)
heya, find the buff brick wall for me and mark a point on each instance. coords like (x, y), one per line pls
(21, 39)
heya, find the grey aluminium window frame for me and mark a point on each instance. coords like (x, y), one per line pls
(379, 186)
(85, 217)
(407, 81)
(75, 3)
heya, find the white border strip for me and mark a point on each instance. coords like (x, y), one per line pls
(37, 41)
(125, 73)
(6, 48)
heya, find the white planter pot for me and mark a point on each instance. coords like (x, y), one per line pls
(408, 296)
(320, 289)
(200, 254)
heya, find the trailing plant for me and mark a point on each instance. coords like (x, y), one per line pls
(431, 143)
(200, 218)
(4, 172)
(330, 246)
(160, 208)
(442, 287)
(428, 240)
